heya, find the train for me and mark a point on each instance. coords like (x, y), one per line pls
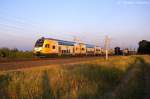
(56, 47)
(124, 52)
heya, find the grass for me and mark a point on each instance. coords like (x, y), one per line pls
(90, 80)
(132, 86)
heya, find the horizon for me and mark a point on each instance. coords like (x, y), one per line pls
(126, 22)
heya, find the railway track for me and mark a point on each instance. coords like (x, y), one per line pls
(19, 64)
(7, 60)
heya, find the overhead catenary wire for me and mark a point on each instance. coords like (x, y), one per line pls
(21, 23)
(14, 27)
(16, 21)
(20, 19)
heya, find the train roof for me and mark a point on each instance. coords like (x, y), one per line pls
(90, 46)
(70, 43)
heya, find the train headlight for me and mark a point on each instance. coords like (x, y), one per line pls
(37, 49)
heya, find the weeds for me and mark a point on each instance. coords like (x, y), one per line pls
(134, 82)
(81, 81)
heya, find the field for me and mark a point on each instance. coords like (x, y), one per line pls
(121, 77)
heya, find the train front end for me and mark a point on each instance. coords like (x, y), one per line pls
(38, 47)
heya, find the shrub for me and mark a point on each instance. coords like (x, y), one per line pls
(15, 53)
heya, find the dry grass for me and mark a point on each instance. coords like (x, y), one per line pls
(81, 81)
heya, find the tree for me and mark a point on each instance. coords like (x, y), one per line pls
(4, 52)
(144, 47)
(15, 50)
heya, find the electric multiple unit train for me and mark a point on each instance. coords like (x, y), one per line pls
(50, 46)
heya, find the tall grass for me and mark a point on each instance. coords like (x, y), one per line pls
(132, 86)
(81, 81)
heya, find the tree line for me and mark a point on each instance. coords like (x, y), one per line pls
(144, 48)
(15, 53)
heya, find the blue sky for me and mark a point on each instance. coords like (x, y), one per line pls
(22, 22)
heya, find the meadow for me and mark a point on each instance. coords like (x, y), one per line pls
(121, 77)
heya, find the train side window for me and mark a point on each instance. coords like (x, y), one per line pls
(69, 51)
(54, 47)
(46, 45)
(59, 48)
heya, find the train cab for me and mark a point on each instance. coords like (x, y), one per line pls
(38, 46)
(46, 46)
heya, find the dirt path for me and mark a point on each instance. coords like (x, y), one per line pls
(124, 83)
(147, 81)
(50, 62)
(135, 84)
(117, 91)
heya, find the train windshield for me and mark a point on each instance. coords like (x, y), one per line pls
(39, 43)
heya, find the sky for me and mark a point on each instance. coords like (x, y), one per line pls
(22, 22)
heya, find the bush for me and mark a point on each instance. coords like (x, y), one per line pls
(15, 53)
